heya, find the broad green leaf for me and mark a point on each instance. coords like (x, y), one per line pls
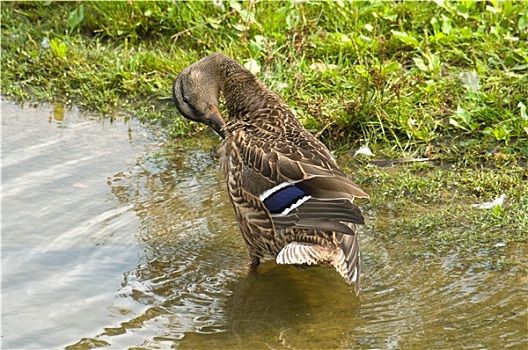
(363, 40)
(464, 115)
(454, 122)
(462, 10)
(252, 66)
(446, 25)
(406, 38)
(440, 3)
(522, 106)
(235, 5)
(420, 64)
(58, 47)
(215, 23)
(434, 23)
(390, 67)
(523, 22)
(433, 61)
(76, 17)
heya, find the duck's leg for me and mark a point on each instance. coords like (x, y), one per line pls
(255, 262)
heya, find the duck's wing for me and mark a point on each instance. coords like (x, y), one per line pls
(297, 178)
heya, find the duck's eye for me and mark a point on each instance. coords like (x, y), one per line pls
(186, 99)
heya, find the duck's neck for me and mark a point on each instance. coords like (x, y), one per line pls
(243, 92)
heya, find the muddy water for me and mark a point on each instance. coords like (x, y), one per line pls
(108, 240)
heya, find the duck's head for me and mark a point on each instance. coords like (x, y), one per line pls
(195, 94)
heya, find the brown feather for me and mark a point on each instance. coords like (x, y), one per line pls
(266, 149)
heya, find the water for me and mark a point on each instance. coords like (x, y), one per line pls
(112, 239)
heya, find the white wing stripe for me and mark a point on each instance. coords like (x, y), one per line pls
(272, 190)
(295, 205)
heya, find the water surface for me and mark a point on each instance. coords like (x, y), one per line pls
(112, 239)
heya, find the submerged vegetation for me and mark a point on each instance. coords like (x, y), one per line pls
(443, 80)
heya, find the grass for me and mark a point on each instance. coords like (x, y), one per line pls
(448, 80)
(437, 206)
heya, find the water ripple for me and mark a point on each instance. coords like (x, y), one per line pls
(122, 244)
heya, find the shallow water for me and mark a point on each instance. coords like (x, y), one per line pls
(110, 241)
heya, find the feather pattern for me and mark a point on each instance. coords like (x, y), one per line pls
(291, 200)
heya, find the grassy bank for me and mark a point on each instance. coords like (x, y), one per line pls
(444, 80)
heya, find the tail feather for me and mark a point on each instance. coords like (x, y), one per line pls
(303, 253)
(345, 258)
(349, 258)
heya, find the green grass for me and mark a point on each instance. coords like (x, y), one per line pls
(436, 206)
(446, 79)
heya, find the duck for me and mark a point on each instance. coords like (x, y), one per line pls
(291, 200)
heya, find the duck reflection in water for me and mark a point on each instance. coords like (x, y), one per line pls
(283, 306)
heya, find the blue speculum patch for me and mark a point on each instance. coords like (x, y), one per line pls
(284, 198)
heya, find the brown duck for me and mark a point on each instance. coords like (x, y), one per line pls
(291, 200)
